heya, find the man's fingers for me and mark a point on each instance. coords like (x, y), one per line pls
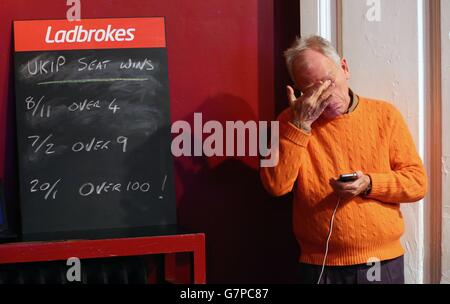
(348, 189)
(324, 96)
(345, 186)
(327, 93)
(349, 186)
(291, 95)
(323, 106)
(323, 87)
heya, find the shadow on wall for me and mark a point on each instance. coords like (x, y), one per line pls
(249, 235)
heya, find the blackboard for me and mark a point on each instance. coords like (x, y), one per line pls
(93, 134)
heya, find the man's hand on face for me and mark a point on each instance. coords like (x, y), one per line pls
(308, 107)
(349, 190)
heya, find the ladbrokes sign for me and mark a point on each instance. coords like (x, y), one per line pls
(78, 34)
(86, 34)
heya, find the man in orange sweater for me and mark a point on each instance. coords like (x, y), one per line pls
(327, 131)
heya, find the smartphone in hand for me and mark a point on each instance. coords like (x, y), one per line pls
(348, 177)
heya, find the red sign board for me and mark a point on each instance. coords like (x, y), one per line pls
(42, 35)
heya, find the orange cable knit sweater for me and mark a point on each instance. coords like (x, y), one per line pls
(375, 139)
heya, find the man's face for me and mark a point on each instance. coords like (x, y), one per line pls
(314, 67)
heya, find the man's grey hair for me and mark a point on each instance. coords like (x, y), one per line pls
(315, 43)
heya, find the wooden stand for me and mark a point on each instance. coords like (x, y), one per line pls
(170, 245)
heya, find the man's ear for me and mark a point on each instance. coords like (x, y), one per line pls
(345, 68)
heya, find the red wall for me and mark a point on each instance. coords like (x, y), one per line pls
(221, 63)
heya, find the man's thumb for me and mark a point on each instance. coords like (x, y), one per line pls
(291, 95)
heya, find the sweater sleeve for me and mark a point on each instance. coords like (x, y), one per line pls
(280, 180)
(407, 181)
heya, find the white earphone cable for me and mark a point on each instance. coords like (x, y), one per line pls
(328, 239)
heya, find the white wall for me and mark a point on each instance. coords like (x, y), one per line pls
(445, 10)
(385, 64)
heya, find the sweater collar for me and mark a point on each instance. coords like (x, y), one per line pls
(354, 101)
